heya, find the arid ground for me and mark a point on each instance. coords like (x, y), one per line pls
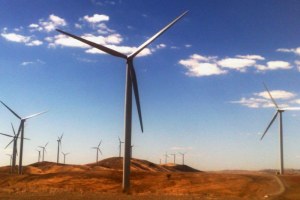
(47, 180)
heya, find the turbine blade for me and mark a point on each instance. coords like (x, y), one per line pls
(11, 110)
(97, 46)
(136, 93)
(9, 143)
(99, 144)
(34, 115)
(145, 44)
(291, 108)
(269, 125)
(61, 136)
(274, 102)
(100, 151)
(119, 139)
(12, 126)
(6, 135)
(46, 144)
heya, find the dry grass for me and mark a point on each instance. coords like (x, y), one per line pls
(148, 181)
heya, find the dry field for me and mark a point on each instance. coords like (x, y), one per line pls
(149, 181)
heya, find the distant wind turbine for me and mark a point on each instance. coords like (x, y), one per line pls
(14, 141)
(174, 157)
(39, 155)
(21, 131)
(131, 82)
(44, 150)
(120, 146)
(58, 146)
(98, 150)
(278, 111)
(182, 154)
(166, 157)
(65, 154)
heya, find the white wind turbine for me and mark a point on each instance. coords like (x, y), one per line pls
(166, 157)
(182, 154)
(15, 150)
(120, 146)
(131, 83)
(98, 150)
(174, 157)
(65, 154)
(21, 131)
(278, 111)
(39, 155)
(58, 146)
(44, 150)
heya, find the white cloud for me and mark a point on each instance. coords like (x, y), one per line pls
(13, 37)
(37, 61)
(239, 64)
(33, 26)
(26, 63)
(34, 43)
(198, 65)
(254, 102)
(251, 57)
(274, 65)
(96, 18)
(262, 100)
(161, 46)
(79, 26)
(297, 63)
(49, 25)
(276, 94)
(188, 45)
(295, 50)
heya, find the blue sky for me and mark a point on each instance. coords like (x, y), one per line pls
(200, 83)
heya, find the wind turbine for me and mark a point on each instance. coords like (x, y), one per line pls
(131, 83)
(21, 131)
(44, 150)
(182, 154)
(174, 157)
(15, 141)
(65, 154)
(39, 156)
(59, 145)
(120, 144)
(98, 150)
(166, 157)
(278, 111)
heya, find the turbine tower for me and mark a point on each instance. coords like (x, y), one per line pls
(166, 157)
(174, 157)
(44, 150)
(98, 150)
(59, 145)
(14, 141)
(21, 131)
(131, 83)
(182, 154)
(39, 155)
(278, 111)
(120, 146)
(65, 154)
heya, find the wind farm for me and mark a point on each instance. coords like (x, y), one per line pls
(199, 128)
